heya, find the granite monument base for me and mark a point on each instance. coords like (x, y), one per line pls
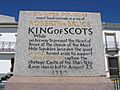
(59, 83)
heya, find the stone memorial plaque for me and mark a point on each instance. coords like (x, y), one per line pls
(59, 44)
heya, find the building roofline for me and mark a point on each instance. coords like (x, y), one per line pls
(111, 26)
(8, 25)
(15, 23)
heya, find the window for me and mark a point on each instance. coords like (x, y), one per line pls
(5, 66)
(110, 39)
(113, 66)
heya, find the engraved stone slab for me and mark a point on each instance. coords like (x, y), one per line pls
(59, 44)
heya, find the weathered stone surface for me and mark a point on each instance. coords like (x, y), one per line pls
(59, 83)
(59, 44)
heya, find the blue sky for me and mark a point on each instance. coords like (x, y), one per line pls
(110, 9)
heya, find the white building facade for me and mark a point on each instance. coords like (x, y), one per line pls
(111, 39)
(8, 32)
